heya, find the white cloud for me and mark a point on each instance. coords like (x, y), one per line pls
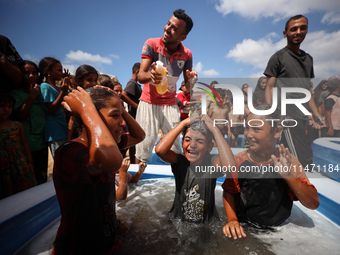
(72, 68)
(31, 58)
(201, 72)
(280, 9)
(114, 56)
(255, 53)
(323, 46)
(81, 56)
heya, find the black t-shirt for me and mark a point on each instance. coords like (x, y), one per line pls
(195, 192)
(329, 102)
(263, 198)
(134, 90)
(291, 70)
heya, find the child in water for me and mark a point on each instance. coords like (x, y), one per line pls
(265, 194)
(84, 171)
(195, 188)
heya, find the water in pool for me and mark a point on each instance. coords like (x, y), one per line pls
(148, 229)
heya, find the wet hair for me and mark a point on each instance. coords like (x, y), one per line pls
(135, 67)
(105, 81)
(83, 71)
(100, 98)
(46, 64)
(335, 76)
(276, 115)
(299, 16)
(199, 125)
(180, 14)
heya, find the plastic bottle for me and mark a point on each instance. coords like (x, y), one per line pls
(162, 87)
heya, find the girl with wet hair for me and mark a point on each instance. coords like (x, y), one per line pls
(84, 172)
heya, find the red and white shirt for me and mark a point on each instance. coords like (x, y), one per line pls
(176, 63)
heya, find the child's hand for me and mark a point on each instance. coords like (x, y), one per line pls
(142, 167)
(231, 136)
(103, 87)
(65, 85)
(284, 163)
(208, 122)
(77, 101)
(192, 76)
(66, 73)
(191, 118)
(35, 91)
(330, 131)
(234, 229)
(125, 166)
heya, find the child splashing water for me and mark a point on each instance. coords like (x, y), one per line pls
(264, 196)
(195, 190)
(16, 165)
(84, 172)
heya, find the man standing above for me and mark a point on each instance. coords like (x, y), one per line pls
(156, 111)
(292, 67)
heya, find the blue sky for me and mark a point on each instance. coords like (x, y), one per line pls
(230, 38)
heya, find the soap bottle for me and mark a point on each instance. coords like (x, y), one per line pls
(162, 87)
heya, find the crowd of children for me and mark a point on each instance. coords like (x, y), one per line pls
(83, 121)
(88, 131)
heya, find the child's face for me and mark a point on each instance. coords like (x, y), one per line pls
(185, 91)
(30, 74)
(245, 88)
(89, 81)
(112, 116)
(6, 109)
(118, 90)
(57, 72)
(324, 86)
(195, 146)
(260, 138)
